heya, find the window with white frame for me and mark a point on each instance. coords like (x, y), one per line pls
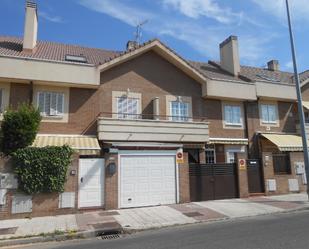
(127, 108)
(51, 103)
(230, 152)
(232, 115)
(179, 111)
(269, 113)
(210, 154)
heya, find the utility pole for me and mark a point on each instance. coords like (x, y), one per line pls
(299, 99)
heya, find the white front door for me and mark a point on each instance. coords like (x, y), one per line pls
(147, 180)
(91, 182)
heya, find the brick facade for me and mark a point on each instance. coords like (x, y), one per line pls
(42, 204)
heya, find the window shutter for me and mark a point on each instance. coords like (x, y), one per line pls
(60, 103)
(47, 103)
(265, 113)
(236, 115)
(53, 104)
(228, 114)
(41, 102)
(272, 113)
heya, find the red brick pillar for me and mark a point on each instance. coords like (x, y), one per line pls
(242, 174)
(184, 181)
(111, 183)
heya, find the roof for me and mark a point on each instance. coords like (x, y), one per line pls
(285, 142)
(52, 51)
(12, 46)
(85, 145)
(304, 76)
(213, 70)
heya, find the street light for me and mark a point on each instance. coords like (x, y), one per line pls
(299, 99)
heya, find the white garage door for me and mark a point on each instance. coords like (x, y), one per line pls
(91, 182)
(147, 180)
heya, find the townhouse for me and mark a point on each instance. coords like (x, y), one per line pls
(146, 123)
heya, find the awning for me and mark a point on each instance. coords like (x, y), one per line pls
(306, 104)
(85, 145)
(145, 144)
(243, 141)
(285, 142)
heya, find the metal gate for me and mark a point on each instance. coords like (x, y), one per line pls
(213, 181)
(255, 176)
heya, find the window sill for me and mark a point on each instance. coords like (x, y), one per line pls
(52, 117)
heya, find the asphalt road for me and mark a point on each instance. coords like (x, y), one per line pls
(279, 231)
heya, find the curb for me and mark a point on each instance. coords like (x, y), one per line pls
(78, 235)
(119, 230)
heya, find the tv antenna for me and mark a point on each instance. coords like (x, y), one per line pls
(138, 32)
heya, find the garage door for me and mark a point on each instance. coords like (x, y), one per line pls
(147, 180)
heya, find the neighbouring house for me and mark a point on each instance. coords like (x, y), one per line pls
(146, 123)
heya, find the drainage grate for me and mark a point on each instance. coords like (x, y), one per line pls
(193, 214)
(110, 236)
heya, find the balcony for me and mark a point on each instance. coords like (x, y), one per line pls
(229, 90)
(276, 91)
(153, 130)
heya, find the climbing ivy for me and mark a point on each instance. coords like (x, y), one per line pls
(42, 170)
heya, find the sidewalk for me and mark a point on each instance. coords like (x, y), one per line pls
(135, 219)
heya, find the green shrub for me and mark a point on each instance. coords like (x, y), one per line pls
(19, 128)
(42, 170)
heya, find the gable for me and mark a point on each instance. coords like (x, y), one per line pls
(162, 51)
(150, 71)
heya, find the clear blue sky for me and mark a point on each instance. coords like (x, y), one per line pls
(193, 28)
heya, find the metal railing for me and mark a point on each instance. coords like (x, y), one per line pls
(146, 116)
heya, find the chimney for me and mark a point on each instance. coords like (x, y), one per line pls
(31, 27)
(273, 65)
(229, 55)
(132, 45)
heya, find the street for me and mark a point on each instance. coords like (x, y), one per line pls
(279, 231)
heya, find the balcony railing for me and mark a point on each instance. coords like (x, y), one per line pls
(149, 127)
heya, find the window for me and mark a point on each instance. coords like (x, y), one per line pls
(232, 115)
(127, 108)
(179, 111)
(230, 153)
(210, 154)
(269, 113)
(51, 103)
(281, 163)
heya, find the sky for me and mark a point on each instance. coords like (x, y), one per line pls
(193, 28)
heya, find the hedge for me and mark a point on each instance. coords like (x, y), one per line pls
(42, 170)
(19, 128)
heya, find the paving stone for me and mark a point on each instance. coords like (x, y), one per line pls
(276, 203)
(236, 208)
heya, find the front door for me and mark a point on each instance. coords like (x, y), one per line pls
(91, 182)
(255, 176)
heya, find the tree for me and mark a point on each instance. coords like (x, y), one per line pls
(19, 128)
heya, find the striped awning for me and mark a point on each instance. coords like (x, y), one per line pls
(242, 141)
(306, 104)
(84, 145)
(285, 142)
